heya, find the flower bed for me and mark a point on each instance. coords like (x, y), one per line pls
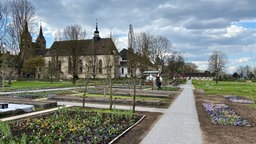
(239, 99)
(73, 126)
(221, 114)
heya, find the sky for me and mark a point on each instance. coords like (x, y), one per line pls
(195, 28)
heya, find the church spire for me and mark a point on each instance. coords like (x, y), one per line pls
(96, 36)
(41, 30)
(41, 42)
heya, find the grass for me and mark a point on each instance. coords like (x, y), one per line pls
(227, 88)
(21, 85)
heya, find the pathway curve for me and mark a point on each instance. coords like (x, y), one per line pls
(179, 124)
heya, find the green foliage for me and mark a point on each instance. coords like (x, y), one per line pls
(72, 126)
(227, 88)
(26, 85)
(5, 133)
(32, 64)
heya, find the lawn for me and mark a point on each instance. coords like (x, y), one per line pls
(227, 88)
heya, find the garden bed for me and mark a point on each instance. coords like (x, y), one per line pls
(124, 101)
(238, 99)
(221, 114)
(228, 134)
(73, 126)
(40, 104)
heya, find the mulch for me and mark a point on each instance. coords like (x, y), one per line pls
(221, 134)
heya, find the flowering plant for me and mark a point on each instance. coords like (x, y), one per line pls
(73, 126)
(223, 115)
(239, 99)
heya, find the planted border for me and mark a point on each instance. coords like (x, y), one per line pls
(221, 114)
(73, 126)
(239, 99)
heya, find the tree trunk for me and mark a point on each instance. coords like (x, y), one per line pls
(134, 95)
(84, 94)
(110, 93)
(217, 78)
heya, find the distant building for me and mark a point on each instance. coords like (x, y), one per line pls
(127, 60)
(94, 58)
(29, 49)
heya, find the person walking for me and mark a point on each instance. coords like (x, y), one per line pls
(158, 82)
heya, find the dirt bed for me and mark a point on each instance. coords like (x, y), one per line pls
(221, 134)
(136, 134)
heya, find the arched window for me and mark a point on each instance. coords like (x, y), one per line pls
(122, 70)
(80, 66)
(100, 66)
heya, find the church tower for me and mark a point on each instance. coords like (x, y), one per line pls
(96, 36)
(26, 48)
(40, 41)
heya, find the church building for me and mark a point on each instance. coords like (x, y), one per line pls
(89, 58)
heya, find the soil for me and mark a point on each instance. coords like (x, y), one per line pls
(136, 134)
(220, 134)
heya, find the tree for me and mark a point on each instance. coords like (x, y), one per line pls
(3, 22)
(247, 71)
(74, 32)
(217, 61)
(160, 49)
(190, 68)
(21, 11)
(3, 30)
(175, 64)
(54, 68)
(33, 66)
(142, 44)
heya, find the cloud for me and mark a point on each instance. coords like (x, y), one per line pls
(194, 27)
(202, 65)
(234, 30)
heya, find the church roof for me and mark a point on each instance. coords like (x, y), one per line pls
(104, 46)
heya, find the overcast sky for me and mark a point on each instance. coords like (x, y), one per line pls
(194, 27)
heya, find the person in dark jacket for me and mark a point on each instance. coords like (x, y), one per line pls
(158, 82)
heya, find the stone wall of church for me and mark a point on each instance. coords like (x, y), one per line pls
(86, 69)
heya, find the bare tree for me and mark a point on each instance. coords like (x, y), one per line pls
(3, 23)
(160, 49)
(217, 61)
(54, 68)
(21, 11)
(190, 68)
(57, 35)
(74, 32)
(175, 64)
(142, 44)
(3, 30)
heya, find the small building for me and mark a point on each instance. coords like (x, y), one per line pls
(132, 63)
